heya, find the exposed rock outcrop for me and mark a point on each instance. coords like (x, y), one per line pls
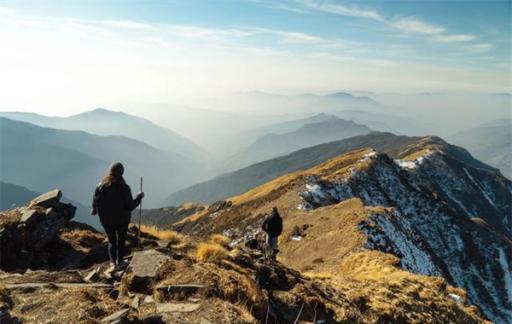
(26, 230)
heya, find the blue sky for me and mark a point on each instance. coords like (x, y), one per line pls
(179, 48)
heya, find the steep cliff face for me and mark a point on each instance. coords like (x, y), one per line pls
(449, 217)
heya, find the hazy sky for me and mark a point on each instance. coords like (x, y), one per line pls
(61, 57)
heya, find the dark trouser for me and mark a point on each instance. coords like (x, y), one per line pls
(116, 242)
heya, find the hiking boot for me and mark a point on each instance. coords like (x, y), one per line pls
(122, 265)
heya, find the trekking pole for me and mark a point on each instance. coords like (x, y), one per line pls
(140, 214)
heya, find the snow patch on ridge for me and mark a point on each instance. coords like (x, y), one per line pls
(412, 257)
(507, 277)
(413, 164)
(484, 192)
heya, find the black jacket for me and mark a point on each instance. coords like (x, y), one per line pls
(114, 203)
(273, 224)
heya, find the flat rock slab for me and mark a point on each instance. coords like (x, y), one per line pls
(176, 307)
(116, 317)
(35, 285)
(49, 199)
(147, 264)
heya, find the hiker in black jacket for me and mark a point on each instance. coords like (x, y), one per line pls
(273, 226)
(113, 202)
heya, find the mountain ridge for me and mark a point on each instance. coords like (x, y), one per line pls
(238, 181)
(73, 157)
(101, 121)
(409, 206)
(329, 128)
(12, 195)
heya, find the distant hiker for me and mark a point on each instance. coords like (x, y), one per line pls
(113, 202)
(273, 226)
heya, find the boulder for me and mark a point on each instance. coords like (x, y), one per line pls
(148, 263)
(31, 228)
(49, 199)
(146, 267)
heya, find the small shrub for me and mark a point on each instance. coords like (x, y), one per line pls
(210, 252)
(220, 239)
(162, 234)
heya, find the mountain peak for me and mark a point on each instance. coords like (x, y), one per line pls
(104, 111)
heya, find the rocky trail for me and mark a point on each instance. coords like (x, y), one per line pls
(54, 270)
(65, 280)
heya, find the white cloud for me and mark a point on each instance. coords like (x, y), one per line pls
(128, 24)
(343, 10)
(206, 33)
(289, 36)
(411, 26)
(481, 47)
(456, 38)
(414, 26)
(103, 61)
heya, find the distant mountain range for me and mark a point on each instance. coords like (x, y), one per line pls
(216, 130)
(247, 137)
(74, 161)
(385, 122)
(327, 129)
(263, 102)
(12, 196)
(236, 182)
(491, 143)
(106, 122)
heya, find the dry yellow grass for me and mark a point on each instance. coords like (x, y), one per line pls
(162, 234)
(245, 313)
(318, 275)
(210, 252)
(220, 239)
(373, 279)
(265, 189)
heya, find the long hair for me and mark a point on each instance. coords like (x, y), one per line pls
(109, 179)
(115, 174)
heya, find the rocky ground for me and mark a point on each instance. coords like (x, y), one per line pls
(55, 271)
